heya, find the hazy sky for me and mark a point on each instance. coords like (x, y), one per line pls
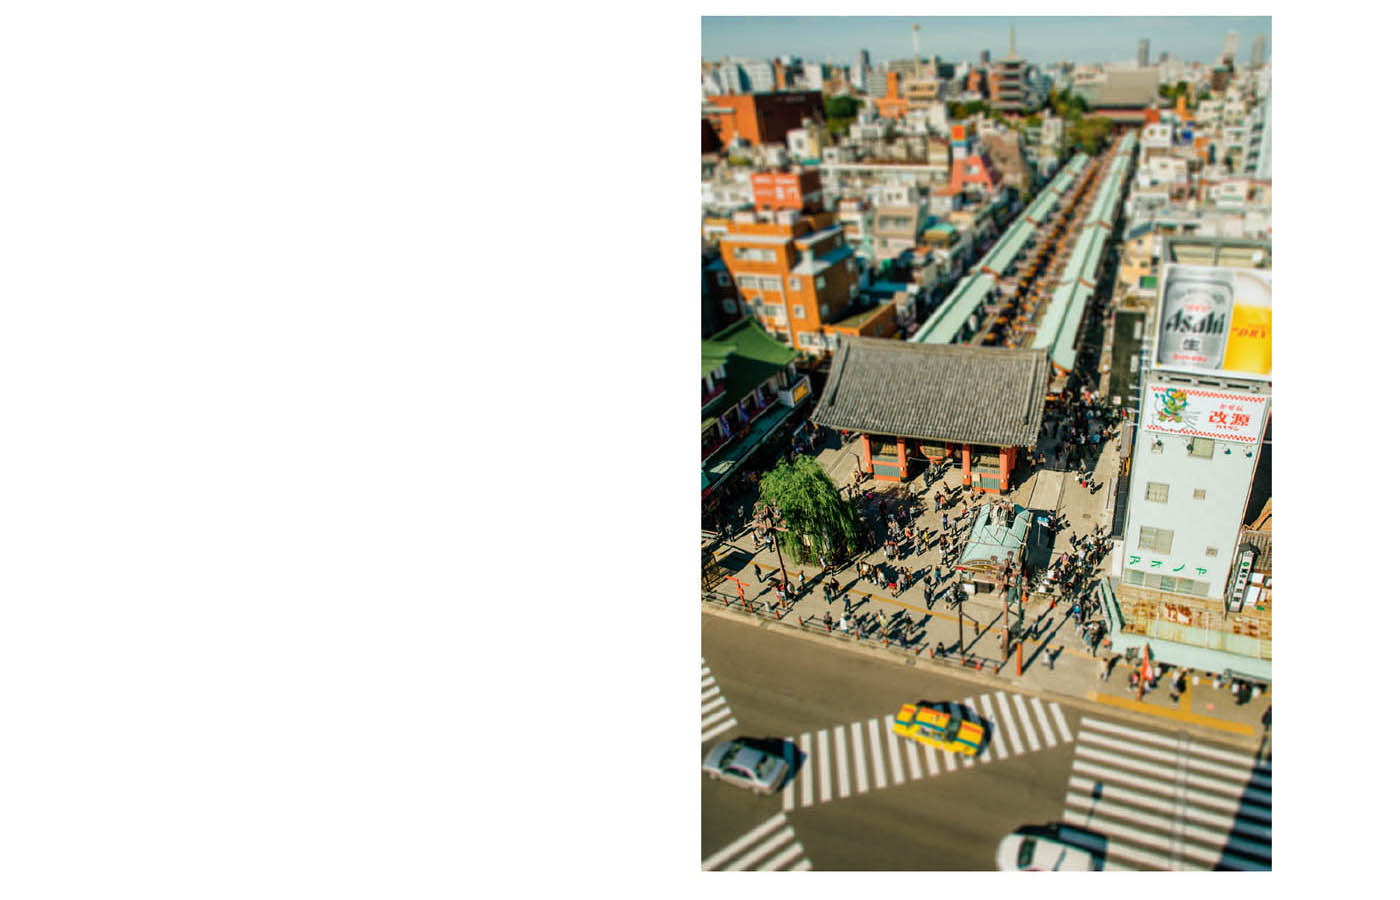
(1038, 38)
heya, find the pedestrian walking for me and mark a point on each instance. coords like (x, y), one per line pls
(1049, 659)
(845, 626)
(928, 597)
(826, 592)
(801, 582)
(827, 619)
(945, 521)
(939, 651)
(1103, 669)
(757, 574)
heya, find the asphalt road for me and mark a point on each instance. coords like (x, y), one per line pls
(780, 686)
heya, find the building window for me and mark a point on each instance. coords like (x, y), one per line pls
(799, 311)
(1156, 445)
(1203, 448)
(794, 283)
(1156, 492)
(821, 282)
(826, 311)
(1198, 494)
(1157, 540)
(773, 284)
(850, 267)
(1212, 551)
(729, 306)
(722, 278)
(854, 289)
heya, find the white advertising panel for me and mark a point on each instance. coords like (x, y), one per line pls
(1219, 415)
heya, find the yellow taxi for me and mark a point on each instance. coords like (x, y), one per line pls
(939, 725)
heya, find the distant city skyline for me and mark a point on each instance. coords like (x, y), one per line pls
(1039, 39)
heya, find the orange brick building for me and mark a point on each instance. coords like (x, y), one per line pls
(801, 191)
(796, 273)
(762, 118)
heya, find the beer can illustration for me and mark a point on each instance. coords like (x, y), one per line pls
(1196, 308)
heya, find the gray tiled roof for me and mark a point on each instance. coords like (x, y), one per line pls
(936, 392)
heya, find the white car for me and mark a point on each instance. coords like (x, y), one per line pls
(1044, 849)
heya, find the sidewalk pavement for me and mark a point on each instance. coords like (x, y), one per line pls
(1058, 662)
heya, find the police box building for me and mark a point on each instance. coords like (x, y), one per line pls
(1190, 579)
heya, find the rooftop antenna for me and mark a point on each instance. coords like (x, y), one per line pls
(1013, 40)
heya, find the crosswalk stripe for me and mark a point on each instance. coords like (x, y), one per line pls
(858, 758)
(714, 717)
(707, 681)
(915, 770)
(743, 841)
(805, 742)
(704, 669)
(1124, 851)
(982, 753)
(1009, 724)
(931, 757)
(824, 763)
(1211, 839)
(719, 729)
(762, 850)
(782, 858)
(1044, 721)
(1170, 756)
(1060, 722)
(1151, 736)
(1172, 807)
(1192, 779)
(803, 866)
(950, 759)
(1230, 807)
(896, 767)
(1201, 857)
(1025, 719)
(713, 704)
(712, 692)
(875, 754)
(790, 789)
(998, 742)
(843, 774)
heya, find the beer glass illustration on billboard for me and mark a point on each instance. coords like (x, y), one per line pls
(1250, 344)
(1195, 317)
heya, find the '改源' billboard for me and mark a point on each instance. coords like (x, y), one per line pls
(1214, 319)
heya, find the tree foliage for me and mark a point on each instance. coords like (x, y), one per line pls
(959, 110)
(837, 126)
(1090, 134)
(841, 107)
(808, 503)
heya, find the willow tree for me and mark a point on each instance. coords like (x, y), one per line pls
(813, 517)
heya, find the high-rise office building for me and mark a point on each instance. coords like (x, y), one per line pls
(986, 57)
(1232, 46)
(1142, 53)
(860, 71)
(760, 75)
(1256, 51)
(1162, 58)
(732, 79)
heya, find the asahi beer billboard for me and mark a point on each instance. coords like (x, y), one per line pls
(1216, 320)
